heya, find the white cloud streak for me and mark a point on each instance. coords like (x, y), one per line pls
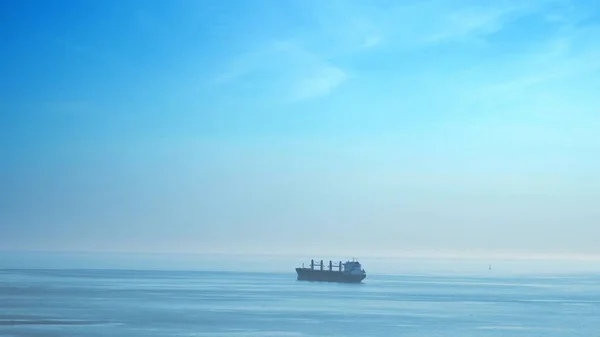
(292, 71)
(305, 66)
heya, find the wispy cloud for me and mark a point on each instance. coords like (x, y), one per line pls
(301, 66)
(321, 83)
(306, 65)
(470, 22)
(419, 24)
(558, 61)
(289, 69)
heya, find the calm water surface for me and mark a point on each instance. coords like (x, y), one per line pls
(163, 303)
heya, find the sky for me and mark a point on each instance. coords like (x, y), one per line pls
(346, 128)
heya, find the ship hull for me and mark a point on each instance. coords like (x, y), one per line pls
(307, 274)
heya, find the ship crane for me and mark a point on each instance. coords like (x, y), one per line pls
(348, 272)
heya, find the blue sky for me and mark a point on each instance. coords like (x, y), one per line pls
(439, 128)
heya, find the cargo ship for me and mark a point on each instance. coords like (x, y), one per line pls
(347, 272)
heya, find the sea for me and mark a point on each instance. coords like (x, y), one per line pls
(38, 301)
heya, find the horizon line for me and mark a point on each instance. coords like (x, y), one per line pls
(406, 255)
